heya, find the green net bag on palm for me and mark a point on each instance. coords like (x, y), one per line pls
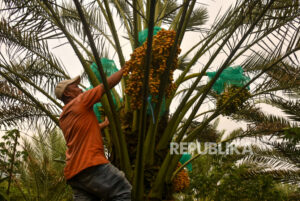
(143, 35)
(231, 76)
(109, 68)
(184, 158)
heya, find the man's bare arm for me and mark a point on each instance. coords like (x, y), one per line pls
(104, 124)
(115, 78)
(90, 97)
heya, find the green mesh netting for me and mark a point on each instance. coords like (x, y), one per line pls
(231, 76)
(151, 108)
(143, 35)
(184, 158)
(109, 68)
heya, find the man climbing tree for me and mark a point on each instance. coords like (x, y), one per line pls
(87, 170)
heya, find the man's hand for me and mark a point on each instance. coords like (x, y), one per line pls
(115, 78)
(104, 124)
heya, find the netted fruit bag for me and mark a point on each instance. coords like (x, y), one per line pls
(231, 80)
(134, 68)
(109, 68)
(184, 158)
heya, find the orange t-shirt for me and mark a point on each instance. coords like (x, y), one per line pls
(82, 133)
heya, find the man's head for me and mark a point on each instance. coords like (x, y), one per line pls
(66, 90)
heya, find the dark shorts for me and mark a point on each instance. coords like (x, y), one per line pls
(102, 182)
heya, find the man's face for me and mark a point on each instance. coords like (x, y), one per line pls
(73, 90)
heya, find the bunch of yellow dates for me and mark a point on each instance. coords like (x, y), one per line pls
(134, 68)
(181, 181)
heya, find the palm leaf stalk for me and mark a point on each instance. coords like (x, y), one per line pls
(140, 16)
(176, 20)
(138, 185)
(125, 163)
(131, 37)
(163, 12)
(139, 9)
(224, 23)
(153, 129)
(136, 18)
(147, 14)
(261, 37)
(114, 33)
(157, 6)
(72, 15)
(187, 18)
(183, 77)
(202, 73)
(82, 46)
(135, 25)
(113, 30)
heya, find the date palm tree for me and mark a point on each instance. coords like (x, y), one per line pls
(260, 35)
(40, 173)
(280, 134)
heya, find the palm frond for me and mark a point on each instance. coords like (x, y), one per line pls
(40, 176)
(93, 14)
(125, 9)
(171, 7)
(281, 161)
(182, 64)
(36, 71)
(269, 162)
(290, 107)
(199, 17)
(237, 133)
(209, 134)
(288, 150)
(28, 43)
(29, 16)
(17, 115)
(14, 37)
(285, 176)
(262, 120)
(16, 108)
